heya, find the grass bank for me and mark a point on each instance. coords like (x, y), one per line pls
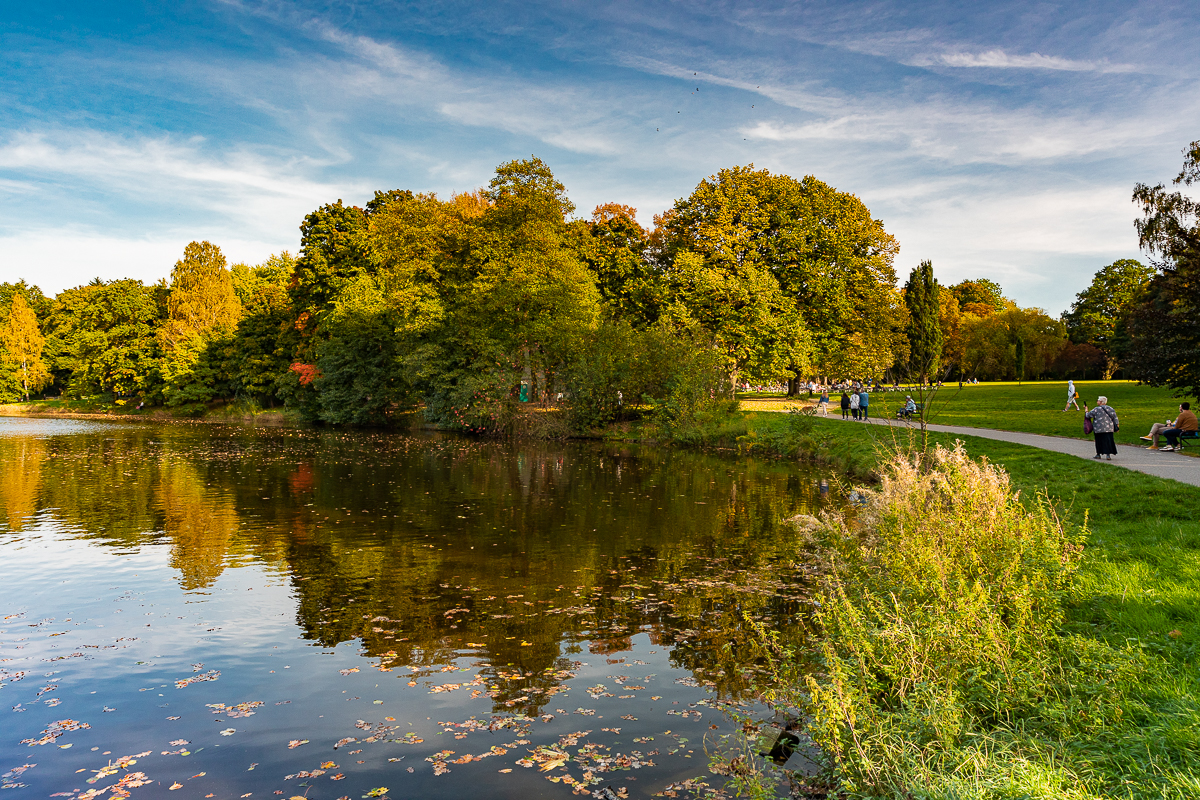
(943, 694)
(1029, 407)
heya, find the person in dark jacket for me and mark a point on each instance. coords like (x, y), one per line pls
(1105, 423)
(845, 405)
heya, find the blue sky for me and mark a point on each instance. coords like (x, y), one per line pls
(1000, 140)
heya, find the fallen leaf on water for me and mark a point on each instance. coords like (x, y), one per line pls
(337, 777)
(328, 765)
(347, 671)
(228, 732)
(294, 743)
(176, 785)
(198, 775)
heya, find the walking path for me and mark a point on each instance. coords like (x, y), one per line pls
(1152, 462)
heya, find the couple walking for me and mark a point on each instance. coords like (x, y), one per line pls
(856, 403)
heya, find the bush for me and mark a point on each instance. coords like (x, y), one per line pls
(939, 621)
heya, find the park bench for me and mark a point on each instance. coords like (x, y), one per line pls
(1185, 435)
(902, 414)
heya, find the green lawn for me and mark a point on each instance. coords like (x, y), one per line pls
(1031, 407)
(1138, 592)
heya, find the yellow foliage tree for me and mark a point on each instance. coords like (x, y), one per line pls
(22, 343)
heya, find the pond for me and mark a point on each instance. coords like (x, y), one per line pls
(236, 612)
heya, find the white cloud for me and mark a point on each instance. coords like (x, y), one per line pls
(57, 259)
(998, 59)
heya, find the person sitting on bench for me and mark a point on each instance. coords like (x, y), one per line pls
(1186, 421)
(909, 409)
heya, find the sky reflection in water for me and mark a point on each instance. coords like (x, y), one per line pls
(405, 596)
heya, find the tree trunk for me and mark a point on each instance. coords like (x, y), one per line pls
(793, 386)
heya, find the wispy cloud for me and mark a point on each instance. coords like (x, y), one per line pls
(999, 59)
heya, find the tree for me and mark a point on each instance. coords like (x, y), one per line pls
(979, 297)
(202, 310)
(922, 297)
(22, 346)
(1093, 316)
(828, 255)
(990, 343)
(1158, 337)
(103, 338)
(1019, 360)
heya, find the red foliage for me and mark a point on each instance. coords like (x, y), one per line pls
(307, 372)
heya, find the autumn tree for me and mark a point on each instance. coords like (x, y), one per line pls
(831, 259)
(980, 297)
(202, 315)
(21, 347)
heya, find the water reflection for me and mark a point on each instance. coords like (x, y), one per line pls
(426, 548)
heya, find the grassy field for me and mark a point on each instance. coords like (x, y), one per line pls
(1132, 728)
(1027, 407)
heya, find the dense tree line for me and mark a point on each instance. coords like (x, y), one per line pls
(472, 307)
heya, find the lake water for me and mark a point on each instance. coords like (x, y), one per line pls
(201, 611)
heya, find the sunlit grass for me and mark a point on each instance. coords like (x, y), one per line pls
(1028, 407)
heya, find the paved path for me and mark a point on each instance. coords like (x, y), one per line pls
(1184, 469)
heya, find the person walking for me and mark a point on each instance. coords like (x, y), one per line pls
(1072, 395)
(854, 401)
(845, 404)
(823, 404)
(863, 401)
(1104, 423)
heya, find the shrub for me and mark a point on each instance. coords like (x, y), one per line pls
(939, 620)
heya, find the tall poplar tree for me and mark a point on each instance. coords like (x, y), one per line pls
(22, 343)
(921, 296)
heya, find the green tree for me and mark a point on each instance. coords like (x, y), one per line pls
(829, 256)
(261, 359)
(1159, 334)
(922, 296)
(103, 338)
(21, 345)
(202, 315)
(989, 343)
(1093, 316)
(1019, 360)
(616, 249)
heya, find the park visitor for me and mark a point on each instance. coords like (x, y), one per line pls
(910, 407)
(823, 404)
(1072, 395)
(863, 399)
(845, 404)
(1186, 421)
(1104, 422)
(854, 401)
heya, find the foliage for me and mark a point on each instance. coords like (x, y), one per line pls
(1159, 336)
(922, 297)
(1093, 316)
(1170, 221)
(979, 297)
(202, 315)
(939, 616)
(1159, 340)
(989, 344)
(830, 258)
(21, 350)
(358, 382)
(101, 338)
